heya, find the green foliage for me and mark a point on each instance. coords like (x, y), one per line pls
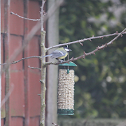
(101, 89)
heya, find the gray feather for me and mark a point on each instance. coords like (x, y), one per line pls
(57, 54)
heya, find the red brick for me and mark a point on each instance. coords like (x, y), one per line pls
(34, 121)
(33, 14)
(2, 122)
(16, 23)
(33, 50)
(34, 90)
(16, 121)
(17, 97)
(15, 44)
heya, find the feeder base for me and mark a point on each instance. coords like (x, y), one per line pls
(65, 112)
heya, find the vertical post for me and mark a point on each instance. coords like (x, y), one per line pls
(43, 69)
(7, 73)
(52, 70)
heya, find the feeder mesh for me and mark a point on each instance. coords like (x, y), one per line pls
(66, 89)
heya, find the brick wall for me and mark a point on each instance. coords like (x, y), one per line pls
(23, 106)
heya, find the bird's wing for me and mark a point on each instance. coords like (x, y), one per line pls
(57, 54)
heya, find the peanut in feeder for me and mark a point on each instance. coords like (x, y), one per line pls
(66, 89)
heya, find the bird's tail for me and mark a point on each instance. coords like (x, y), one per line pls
(46, 55)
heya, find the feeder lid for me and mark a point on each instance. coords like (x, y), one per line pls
(68, 64)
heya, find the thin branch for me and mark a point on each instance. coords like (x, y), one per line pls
(24, 17)
(42, 15)
(14, 62)
(86, 54)
(25, 58)
(85, 39)
(78, 41)
(34, 68)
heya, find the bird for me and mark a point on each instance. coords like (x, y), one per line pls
(59, 54)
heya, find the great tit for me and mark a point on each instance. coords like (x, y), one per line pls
(60, 53)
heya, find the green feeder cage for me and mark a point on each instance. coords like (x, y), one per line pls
(66, 89)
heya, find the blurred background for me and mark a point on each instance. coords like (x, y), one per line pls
(100, 79)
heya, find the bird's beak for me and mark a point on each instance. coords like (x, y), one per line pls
(68, 49)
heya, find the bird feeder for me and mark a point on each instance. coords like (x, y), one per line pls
(66, 89)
